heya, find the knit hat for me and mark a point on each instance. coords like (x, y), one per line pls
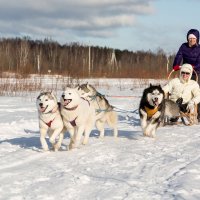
(190, 36)
(194, 32)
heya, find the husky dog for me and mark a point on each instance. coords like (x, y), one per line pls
(78, 116)
(50, 120)
(151, 109)
(104, 111)
(171, 111)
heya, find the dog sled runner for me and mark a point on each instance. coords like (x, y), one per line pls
(187, 118)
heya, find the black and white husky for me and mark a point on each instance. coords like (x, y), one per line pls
(151, 109)
(154, 108)
(50, 120)
(105, 112)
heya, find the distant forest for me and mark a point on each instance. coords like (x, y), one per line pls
(25, 56)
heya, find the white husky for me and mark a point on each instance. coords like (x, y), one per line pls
(78, 116)
(50, 120)
(104, 111)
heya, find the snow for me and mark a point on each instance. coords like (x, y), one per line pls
(131, 167)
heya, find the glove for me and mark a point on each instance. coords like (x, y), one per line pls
(176, 67)
(190, 106)
(179, 101)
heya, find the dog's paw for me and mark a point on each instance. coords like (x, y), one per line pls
(56, 147)
(70, 147)
(147, 133)
(45, 149)
(85, 142)
(52, 140)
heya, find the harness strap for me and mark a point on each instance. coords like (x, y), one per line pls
(86, 100)
(73, 122)
(150, 112)
(49, 123)
(104, 110)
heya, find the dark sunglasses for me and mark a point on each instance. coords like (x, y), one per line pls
(187, 73)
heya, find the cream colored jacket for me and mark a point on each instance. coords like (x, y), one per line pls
(187, 90)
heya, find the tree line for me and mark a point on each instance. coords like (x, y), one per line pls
(25, 56)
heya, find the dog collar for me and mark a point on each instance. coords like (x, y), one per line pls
(150, 112)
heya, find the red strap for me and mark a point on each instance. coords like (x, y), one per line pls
(73, 123)
(49, 123)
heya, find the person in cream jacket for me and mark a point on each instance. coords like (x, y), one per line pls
(183, 90)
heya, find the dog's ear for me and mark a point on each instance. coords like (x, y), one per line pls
(50, 91)
(77, 87)
(151, 85)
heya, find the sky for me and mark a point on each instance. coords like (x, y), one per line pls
(120, 24)
(128, 167)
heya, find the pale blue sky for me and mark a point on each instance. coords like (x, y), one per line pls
(120, 24)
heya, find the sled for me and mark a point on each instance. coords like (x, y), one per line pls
(187, 118)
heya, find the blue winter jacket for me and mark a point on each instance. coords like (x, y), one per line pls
(190, 55)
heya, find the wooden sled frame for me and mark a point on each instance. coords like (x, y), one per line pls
(187, 118)
(191, 117)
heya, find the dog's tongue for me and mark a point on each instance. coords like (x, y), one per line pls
(42, 109)
(156, 103)
(67, 101)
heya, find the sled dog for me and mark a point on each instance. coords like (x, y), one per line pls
(171, 111)
(50, 120)
(154, 109)
(151, 109)
(78, 116)
(103, 110)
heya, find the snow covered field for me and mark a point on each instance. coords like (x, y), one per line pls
(131, 167)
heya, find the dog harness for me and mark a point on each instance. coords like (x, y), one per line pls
(52, 111)
(73, 122)
(150, 112)
(49, 123)
(108, 109)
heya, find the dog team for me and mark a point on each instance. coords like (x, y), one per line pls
(82, 107)
(79, 110)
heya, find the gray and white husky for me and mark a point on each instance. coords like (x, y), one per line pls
(104, 111)
(78, 116)
(154, 108)
(50, 120)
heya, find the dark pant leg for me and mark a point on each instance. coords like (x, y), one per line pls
(183, 107)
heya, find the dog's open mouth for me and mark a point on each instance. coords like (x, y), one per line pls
(67, 101)
(43, 109)
(155, 102)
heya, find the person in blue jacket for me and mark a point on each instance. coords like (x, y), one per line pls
(189, 52)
